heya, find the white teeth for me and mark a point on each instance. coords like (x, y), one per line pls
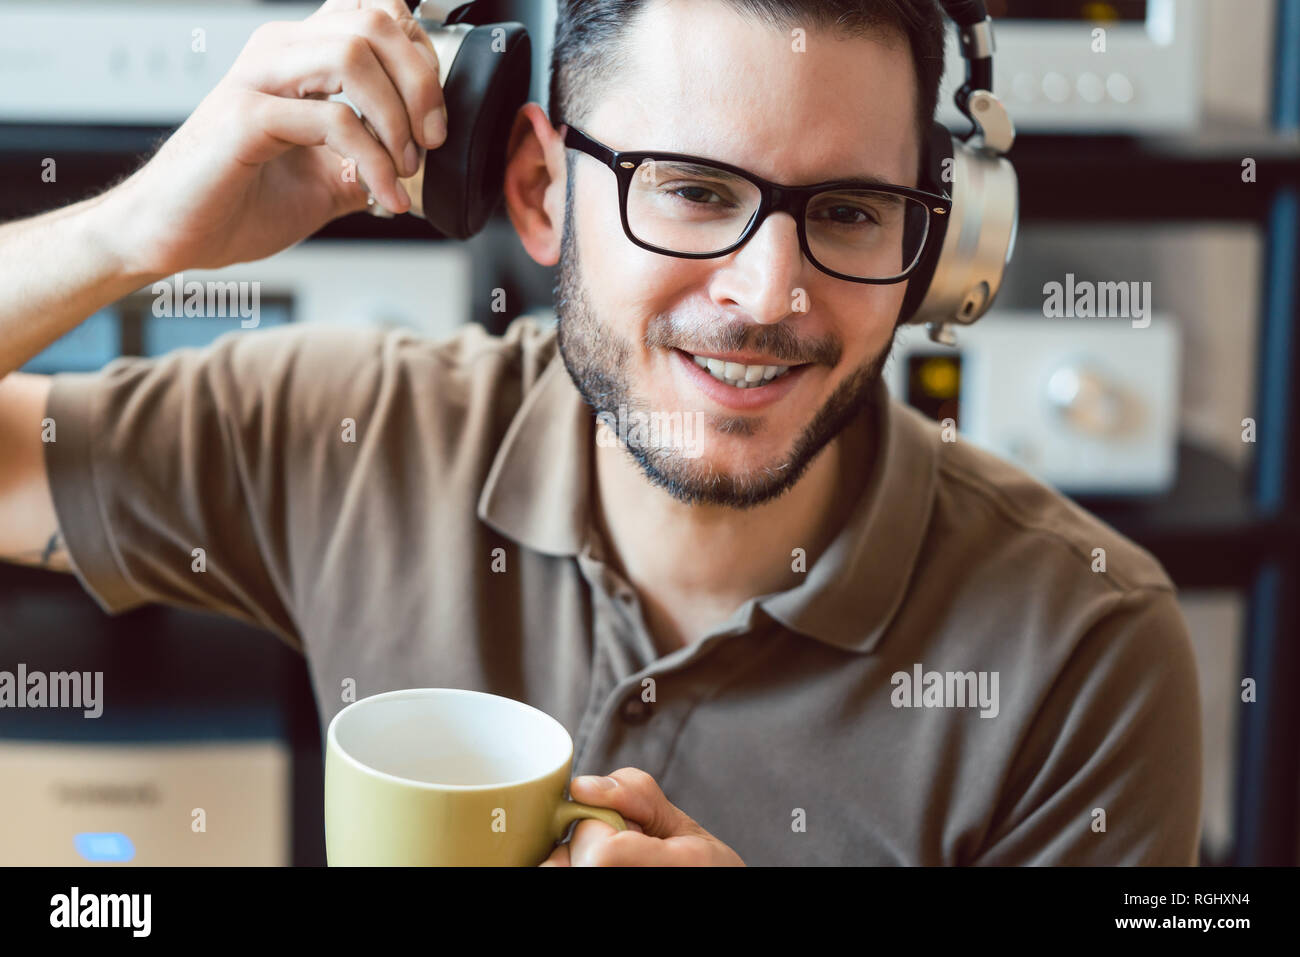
(739, 375)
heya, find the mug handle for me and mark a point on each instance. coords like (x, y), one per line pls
(569, 811)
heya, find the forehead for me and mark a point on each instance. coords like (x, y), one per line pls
(700, 78)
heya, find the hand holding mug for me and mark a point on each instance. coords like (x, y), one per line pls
(659, 833)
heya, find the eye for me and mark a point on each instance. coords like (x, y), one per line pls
(843, 214)
(695, 194)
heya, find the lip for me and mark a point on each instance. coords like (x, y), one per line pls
(740, 400)
(744, 358)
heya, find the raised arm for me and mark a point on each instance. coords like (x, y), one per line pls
(263, 162)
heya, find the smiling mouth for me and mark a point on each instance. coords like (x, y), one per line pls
(739, 375)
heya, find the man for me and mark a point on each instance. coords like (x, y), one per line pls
(796, 624)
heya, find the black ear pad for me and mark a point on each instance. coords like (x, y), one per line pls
(487, 84)
(938, 149)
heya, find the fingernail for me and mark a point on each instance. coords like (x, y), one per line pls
(599, 783)
(435, 127)
(406, 197)
(412, 157)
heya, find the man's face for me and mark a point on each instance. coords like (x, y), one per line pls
(699, 79)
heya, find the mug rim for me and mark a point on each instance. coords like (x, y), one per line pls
(332, 745)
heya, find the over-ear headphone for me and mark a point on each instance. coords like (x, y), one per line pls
(485, 70)
(961, 269)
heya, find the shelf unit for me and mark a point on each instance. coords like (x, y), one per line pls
(1218, 528)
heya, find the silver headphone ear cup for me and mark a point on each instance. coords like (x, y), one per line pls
(978, 241)
(935, 176)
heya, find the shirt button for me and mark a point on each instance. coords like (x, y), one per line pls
(635, 711)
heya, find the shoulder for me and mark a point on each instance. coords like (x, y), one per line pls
(335, 354)
(1101, 691)
(317, 369)
(1029, 571)
(990, 507)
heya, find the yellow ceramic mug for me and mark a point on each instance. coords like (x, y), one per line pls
(444, 777)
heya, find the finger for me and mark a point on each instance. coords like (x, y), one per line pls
(342, 53)
(405, 53)
(335, 6)
(559, 857)
(435, 128)
(396, 9)
(284, 60)
(636, 796)
(364, 54)
(584, 845)
(407, 56)
(630, 849)
(282, 123)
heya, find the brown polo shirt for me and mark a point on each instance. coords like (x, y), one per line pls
(955, 681)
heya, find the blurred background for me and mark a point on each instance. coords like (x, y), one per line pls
(1157, 143)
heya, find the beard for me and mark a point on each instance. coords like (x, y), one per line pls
(599, 363)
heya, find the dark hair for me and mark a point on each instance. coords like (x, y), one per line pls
(590, 33)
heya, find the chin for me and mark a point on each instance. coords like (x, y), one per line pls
(717, 479)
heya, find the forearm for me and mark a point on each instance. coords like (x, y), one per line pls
(59, 268)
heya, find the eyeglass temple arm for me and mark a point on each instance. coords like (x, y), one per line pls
(575, 138)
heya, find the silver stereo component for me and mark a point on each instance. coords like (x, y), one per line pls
(145, 803)
(121, 63)
(1086, 405)
(1057, 73)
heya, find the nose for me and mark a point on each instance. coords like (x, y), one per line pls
(762, 277)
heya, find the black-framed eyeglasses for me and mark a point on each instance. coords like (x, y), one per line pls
(698, 208)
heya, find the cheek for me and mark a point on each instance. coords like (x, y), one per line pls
(627, 285)
(865, 319)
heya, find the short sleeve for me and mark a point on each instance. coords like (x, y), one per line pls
(191, 479)
(1110, 770)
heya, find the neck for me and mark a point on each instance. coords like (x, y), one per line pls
(693, 565)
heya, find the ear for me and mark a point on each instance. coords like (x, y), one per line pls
(535, 183)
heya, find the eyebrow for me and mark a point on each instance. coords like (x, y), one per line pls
(705, 168)
(682, 166)
(864, 181)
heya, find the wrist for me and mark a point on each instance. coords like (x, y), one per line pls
(106, 235)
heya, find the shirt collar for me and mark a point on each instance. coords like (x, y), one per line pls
(538, 493)
(538, 489)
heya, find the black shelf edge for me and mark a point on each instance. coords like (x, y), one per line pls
(1206, 531)
(1177, 178)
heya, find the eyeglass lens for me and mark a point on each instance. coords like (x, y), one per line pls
(690, 208)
